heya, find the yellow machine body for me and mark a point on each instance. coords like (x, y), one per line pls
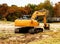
(31, 25)
(24, 23)
(32, 22)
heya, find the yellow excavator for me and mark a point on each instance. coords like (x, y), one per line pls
(31, 25)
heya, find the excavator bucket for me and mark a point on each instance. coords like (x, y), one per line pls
(46, 26)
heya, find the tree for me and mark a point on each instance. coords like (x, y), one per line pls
(47, 5)
(27, 10)
(32, 6)
(13, 13)
(3, 10)
(39, 6)
(57, 10)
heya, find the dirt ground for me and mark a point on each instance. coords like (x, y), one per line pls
(47, 37)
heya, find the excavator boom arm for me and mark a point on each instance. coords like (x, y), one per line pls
(40, 13)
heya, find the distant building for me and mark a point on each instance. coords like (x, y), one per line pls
(54, 19)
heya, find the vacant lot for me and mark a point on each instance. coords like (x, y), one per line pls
(7, 35)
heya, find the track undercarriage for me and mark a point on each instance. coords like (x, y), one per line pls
(31, 30)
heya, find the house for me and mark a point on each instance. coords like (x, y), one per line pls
(54, 19)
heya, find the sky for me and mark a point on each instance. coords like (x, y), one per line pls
(25, 2)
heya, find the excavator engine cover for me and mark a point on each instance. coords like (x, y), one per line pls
(26, 23)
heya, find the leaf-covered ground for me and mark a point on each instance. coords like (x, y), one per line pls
(50, 37)
(47, 37)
